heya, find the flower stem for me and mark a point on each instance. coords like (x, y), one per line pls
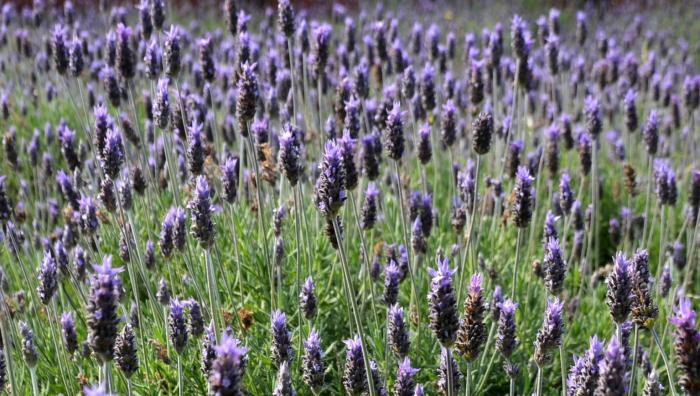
(666, 362)
(353, 305)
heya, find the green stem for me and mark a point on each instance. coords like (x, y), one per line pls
(450, 375)
(669, 372)
(515, 267)
(353, 305)
(635, 348)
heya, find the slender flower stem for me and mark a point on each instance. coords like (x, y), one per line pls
(35, 384)
(261, 215)
(414, 308)
(353, 304)
(129, 387)
(635, 350)
(474, 214)
(669, 372)
(468, 385)
(538, 388)
(365, 258)
(487, 372)
(450, 379)
(211, 284)
(180, 381)
(562, 363)
(514, 284)
(297, 229)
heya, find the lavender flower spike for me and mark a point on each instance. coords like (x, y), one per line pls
(48, 280)
(550, 334)
(687, 346)
(472, 330)
(521, 209)
(226, 376)
(619, 289)
(405, 384)
(612, 376)
(583, 376)
(102, 315)
(554, 267)
(442, 303)
(330, 193)
(313, 370)
(281, 339)
(397, 331)
(201, 207)
(354, 376)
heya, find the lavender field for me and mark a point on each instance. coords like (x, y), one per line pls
(401, 198)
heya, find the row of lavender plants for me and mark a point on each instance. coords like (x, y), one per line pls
(231, 200)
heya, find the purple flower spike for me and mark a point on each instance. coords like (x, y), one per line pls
(550, 334)
(687, 346)
(442, 303)
(472, 330)
(201, 211)
(48, 279)
(405, 384)
(612, 376)
(227, 370)
(330, 191)
(619, 289)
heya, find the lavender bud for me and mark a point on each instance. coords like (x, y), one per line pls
(554, 267)
(442, 374)
(521, 209)
(281, 348)
(405, 384)
(392, 279)
(330, 186)
(424, 146)
(442, 303)
(226, 377)
(177, 325)
(172, 52)
(618, 294)
(448, 124)
(229, 178)
(584, 150)
(686, 345)
(70, 337)
(513, 160)
(666, 190)
(307, 299)
(644, 311)
(472, 330)
(59, 48)
(550, 334)
(290, 155)
(125, 351)
(102, 316)
(126, 58)
(368, 216)
(394, 139)
(163, 294)
(313, 370)
(322, 38)
(111, 86)
(397, 331)
(247, 98)
(371, 155)
(29, 352)
(201, 211)
(612, 378)
(650, 133)
(354, 375)
(75, 58)
(48, 279)
(482, 130)
(583, 376)
(506, 339)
